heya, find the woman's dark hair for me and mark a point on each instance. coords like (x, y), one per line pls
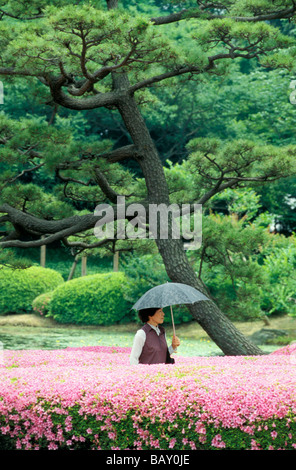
(147, 312)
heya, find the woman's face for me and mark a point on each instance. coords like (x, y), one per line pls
(157, 318)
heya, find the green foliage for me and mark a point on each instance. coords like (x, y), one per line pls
(40, 304)
(247, 269)
(227, 264)
(255, 7)
(29, 10)
(36, 201)
(180, 182)
(104, 38)
(225, 30)
(241, 158)
(238, 297)
(19, 287)
(8, 258)
(97, 299)
(279, 293)
(279, 200)
(54, 147)
(244, 203)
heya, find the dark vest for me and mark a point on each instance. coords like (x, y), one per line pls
(155, 349)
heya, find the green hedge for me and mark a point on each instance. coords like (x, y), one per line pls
(91, 300)
(19, 287)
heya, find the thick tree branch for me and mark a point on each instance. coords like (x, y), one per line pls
(99, 100)
(123, 153)
(12, 71)
(102, 181)
(286, 13)
(219, 187)
(117, 155)
(86, 245)
(174, 17)
(189, 69)
(98, 75)
(31, 223)
(42, 241)
(53, 229)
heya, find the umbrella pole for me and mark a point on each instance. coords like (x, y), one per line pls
(174, 331)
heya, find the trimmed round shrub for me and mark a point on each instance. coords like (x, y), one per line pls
(19, 287)
(40, 305)
(97, 299)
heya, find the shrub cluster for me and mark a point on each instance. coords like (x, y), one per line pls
(19, 287)
(97, 299)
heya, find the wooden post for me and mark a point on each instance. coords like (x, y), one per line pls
(42, 254)
(83, 265)
(116, 261)
(72, 271)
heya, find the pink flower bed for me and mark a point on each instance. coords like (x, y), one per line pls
(91, 398)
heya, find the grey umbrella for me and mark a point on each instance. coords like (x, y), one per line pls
(168, 294)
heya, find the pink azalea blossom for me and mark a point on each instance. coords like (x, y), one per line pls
(39, 389)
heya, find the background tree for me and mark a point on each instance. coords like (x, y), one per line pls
(89, 58)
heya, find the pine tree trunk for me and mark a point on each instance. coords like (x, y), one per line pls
(219, 328)
(227, 337)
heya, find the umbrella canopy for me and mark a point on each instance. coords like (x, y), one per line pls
(170, 293)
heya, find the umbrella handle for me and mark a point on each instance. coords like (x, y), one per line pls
(174, 331)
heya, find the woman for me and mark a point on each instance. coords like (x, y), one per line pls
(150, 345)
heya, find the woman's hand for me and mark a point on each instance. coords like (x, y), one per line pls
(175, 342)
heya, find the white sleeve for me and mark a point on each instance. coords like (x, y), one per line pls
(139, 340)
(170, 348)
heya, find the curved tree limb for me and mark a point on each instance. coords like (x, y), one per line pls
(102, 181)
(54, 229)
(183, 14)
(99, 100)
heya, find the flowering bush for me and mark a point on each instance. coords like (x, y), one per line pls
(91, 398)
(40, 304)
